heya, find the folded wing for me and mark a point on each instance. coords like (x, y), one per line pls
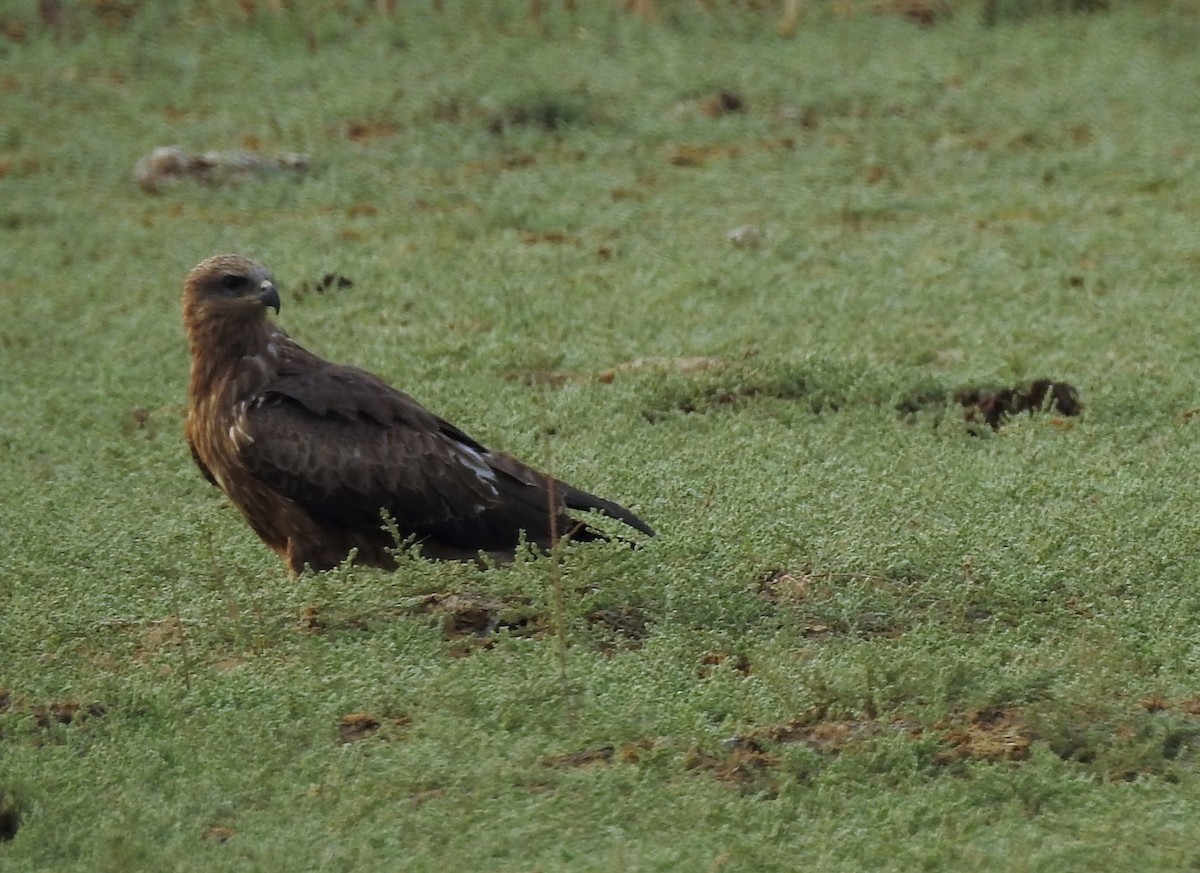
(345, 446)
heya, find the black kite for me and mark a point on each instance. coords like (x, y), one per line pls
(316, 455)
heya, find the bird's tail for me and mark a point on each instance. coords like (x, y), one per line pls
(582, 501)
(568, 496)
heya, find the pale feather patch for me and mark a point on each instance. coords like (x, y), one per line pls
(259, 363)
(238, 435)
(474, 462)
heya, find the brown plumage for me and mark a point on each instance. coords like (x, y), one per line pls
(315, 454)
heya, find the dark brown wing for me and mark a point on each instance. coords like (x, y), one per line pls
(344, 467)
(344, 445)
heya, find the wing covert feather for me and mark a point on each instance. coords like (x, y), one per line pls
(343, 470)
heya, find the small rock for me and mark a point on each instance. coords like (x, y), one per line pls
(167, 165)
(747, 236)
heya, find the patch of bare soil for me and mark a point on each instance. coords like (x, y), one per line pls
(723, 102)
(748, 768)
(995, 406)
(694, 155)
(830, 736)
(327, 282)
(13, 29)
(698, 155)
(1112, 745)
(217, 834)
(49, 715)
(627, 753)
(747, 761)
(311, 621)
(65, 712)
(357, 726)
(785, 586)
(357, 131)
(501, 163)
(993, 734)
(553, 237)
(625, 627)
(823, 390)
(1190, 705)
(470, 621)
(633, 752)
(712, 662)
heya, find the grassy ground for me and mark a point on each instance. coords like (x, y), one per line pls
(872, 634)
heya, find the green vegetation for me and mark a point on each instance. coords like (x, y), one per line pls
(874, 632)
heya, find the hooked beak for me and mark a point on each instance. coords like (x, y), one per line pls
(269, 295)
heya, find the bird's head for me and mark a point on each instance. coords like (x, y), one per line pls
(229, 286)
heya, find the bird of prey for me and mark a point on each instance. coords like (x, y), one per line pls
(326, 460)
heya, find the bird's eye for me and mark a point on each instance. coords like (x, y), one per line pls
(231, 281)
